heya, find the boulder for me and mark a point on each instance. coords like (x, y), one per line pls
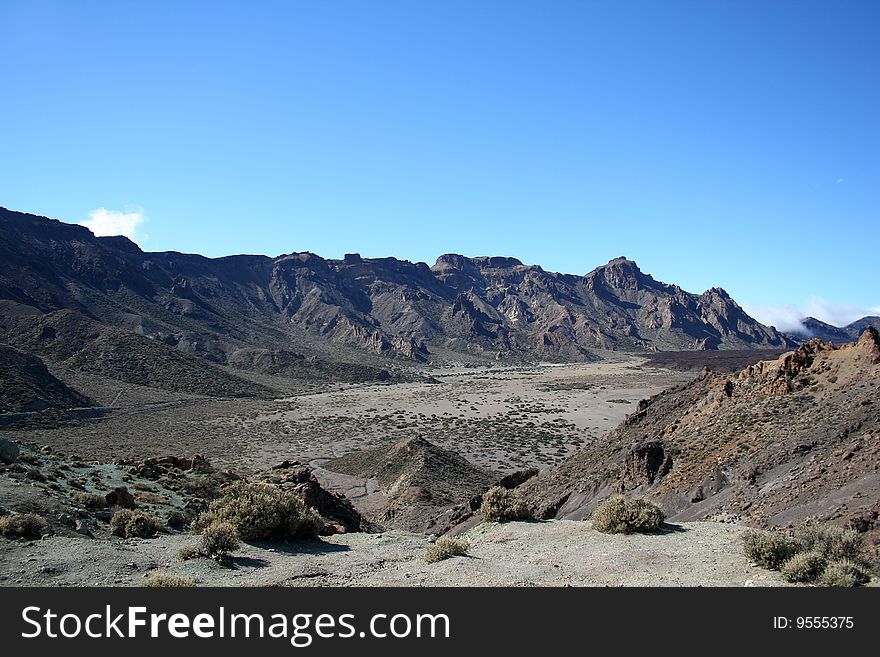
(8, 451)
(120, 497)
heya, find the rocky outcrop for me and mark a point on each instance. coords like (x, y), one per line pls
(335, 508)
(419, 480)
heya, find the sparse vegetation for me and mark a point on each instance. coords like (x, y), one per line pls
(828, 556)
(22, 525)
(260, 511)
(163, 581)
(619, 515)
(188, 552)
(446, 547)
(133, 524)
(501, 505)
(845, 574)
(219, 539)
(90, 501)
(769, 550)
(804, 567)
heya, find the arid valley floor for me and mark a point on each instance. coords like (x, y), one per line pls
(502, 419)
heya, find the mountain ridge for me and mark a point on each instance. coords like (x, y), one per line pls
(488, 307)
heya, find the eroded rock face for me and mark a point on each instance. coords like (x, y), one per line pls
(646, 463)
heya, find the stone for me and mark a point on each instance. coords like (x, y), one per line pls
(8, 451)
(120, 497)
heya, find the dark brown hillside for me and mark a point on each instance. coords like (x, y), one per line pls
(781, 441)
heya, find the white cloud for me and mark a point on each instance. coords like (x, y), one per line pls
(103, 223)
(839, 180)
(783, 317)
(787, 317)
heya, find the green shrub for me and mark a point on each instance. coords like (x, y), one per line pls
(133, 524)
(22, 525)
(845, 573)
(501, 504)
(805, 567)
(262, 511)
(769, 550)
(159, 580)
(446, 547)
(619, 515)
(90, 501)
(219, 539)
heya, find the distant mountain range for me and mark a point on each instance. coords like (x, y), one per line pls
(63, 290)
(813, 328)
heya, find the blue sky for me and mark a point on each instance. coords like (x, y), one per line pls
(714, 142)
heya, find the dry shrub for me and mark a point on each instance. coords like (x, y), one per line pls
(834, 543)
(188, 552)
(446, 547)
(23, 525)
(769, 550)
(828, 556)
(219, 539)
(804, 567)
(164, 581)
(133, 524)
(619, 515)
(261, 511)
(90, 501)
(501, 504)
(845, 573)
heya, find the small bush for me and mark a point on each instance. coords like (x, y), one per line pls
(22, 525)
(618, 515)
(844, 573)
(133, 524)
(219, 539)
(834, 543)
(805, 567)
(90, 501)
(501, 504)
(769, 550)
(828, 556)
(168, 581)
(260, 511)
(188, 552)
(446, 547)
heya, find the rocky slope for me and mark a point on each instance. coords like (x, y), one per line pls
(27, 385)
(814, 328)
(416, 480)
(780, 442)
(340, 309)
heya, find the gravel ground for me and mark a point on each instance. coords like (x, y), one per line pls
(556, 553)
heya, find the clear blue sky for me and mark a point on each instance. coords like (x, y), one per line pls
(714, 142)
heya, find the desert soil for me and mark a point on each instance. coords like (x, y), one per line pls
(553, 553)
(502, 419)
